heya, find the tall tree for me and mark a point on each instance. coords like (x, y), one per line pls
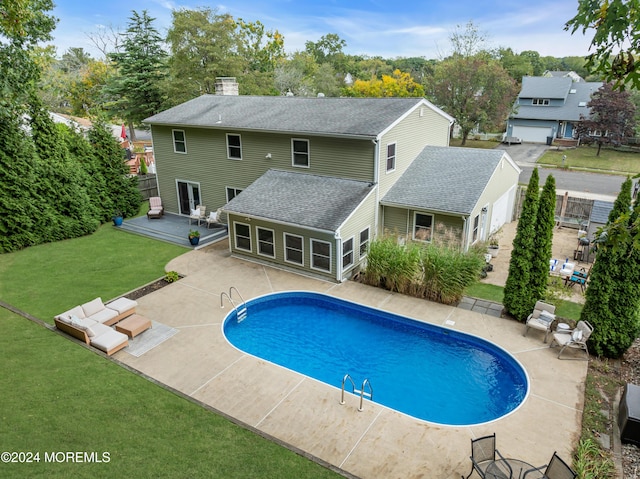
(616, 38)
(135, 91)
(519, 297)
(543, 239)
(612, 299)
(397, 85)
(203, 45)
(476, 91)
(611, 117)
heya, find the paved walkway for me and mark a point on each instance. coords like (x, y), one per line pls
(306, 414)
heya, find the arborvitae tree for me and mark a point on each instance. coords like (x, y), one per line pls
(612, 304)
(122, 193)
(543, 239)
(60, 180)
(622, 203)
(23, 215)
(518, 295)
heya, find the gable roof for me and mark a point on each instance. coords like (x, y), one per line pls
(312, 201)
(355, 117)
(446, 179)
(574, 95)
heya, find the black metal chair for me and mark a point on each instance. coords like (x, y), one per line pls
(556, 469)
(483, 453)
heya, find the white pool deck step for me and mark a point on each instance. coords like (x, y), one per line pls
(307, 414)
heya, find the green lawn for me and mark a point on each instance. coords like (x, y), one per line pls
(585, 157)
(60, 397)
(486, 144)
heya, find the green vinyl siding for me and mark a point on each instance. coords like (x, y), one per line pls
(399, 222)
(421, 127)
(395, 221)
(206, 161)
(363, 217)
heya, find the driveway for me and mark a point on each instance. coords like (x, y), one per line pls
(525, 154)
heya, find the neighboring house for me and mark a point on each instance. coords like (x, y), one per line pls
(549, 107)
(302, 180)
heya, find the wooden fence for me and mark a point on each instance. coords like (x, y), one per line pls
(570, 211)
(148, 185)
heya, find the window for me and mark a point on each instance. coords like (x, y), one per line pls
(422, 227)
(179, 141)
(391, 156)
(540, 101)
(347, 253)
(266, 245)
(476, 225)
(293, 249)
(243, 236)
(364, 242)
(300, 152)
(321, 255)
(232, 193)
(234, 147)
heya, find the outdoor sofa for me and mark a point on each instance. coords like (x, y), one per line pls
(91, 321)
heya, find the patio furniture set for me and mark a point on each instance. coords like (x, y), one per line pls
(487, 461)
(91, 322)
(569, 273)
(543, 317)
(198, 214)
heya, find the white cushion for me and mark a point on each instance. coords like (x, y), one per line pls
(104, 315)
(81, 323)
(77, 311)
(546, 316)
(213, 215)
(576, 335)
(122, 304)
(90, 332)
(108, 340)
(195, 212)
(92, 307)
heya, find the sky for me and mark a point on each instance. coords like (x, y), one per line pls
(383, 28)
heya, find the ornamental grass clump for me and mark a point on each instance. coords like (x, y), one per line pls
(438, 271)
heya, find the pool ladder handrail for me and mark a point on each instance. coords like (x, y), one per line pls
(361, 392)
(241, 313)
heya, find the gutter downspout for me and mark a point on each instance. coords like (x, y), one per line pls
(376, 181)
(338, 256)
(465, 233)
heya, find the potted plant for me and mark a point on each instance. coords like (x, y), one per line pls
(117, 218)
(194, 237)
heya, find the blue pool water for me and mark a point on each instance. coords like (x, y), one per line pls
(426, 371)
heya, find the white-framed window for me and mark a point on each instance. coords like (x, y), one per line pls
(266, 242)
(391, 156)
(293, 249)
(321, 255)
(232, 193)
(234, 146)
(540, 102)
(300, 152)
(422, 227)
(179, 141)
(242, 236)
(364, 242)
(476, 227)
(347, 253)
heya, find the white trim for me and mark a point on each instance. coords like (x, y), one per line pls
(284, 249)
(229, 157)
(368, 230)
(353, 261)
(236, 190)
(395, 157)
(311, 254)
(235, 237)
(184, 141)
(306, 140)
(258, 242)
(413, 229)
(421, 103)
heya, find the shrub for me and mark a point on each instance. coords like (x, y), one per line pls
(172, 276)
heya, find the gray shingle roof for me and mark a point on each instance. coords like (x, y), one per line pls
(331, 116)
(313, 201)
(445, 179)
(555, 88)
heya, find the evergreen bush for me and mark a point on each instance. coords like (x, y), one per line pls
(543, 239)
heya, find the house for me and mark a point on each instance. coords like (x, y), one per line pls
(307, 183)
(549, 107)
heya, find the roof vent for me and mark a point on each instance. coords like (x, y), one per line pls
(582, 103)
(573, 90)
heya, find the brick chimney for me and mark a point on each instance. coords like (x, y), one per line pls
(226, 86)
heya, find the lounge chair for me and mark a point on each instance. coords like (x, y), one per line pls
(541, 318)
(214, 218)
(556, 469)
(155, 208)
(483, 453)
(574, 339)
(199, 214)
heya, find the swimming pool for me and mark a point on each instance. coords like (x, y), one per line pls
(426, 371)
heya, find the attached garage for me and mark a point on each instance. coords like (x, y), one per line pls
(533, 134)
(502, 210)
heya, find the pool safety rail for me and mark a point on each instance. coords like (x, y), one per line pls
(362, 392)
(241, 312)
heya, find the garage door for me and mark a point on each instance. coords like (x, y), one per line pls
(534, 134)
(502, 210)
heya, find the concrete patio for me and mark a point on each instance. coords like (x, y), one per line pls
(306, 414)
